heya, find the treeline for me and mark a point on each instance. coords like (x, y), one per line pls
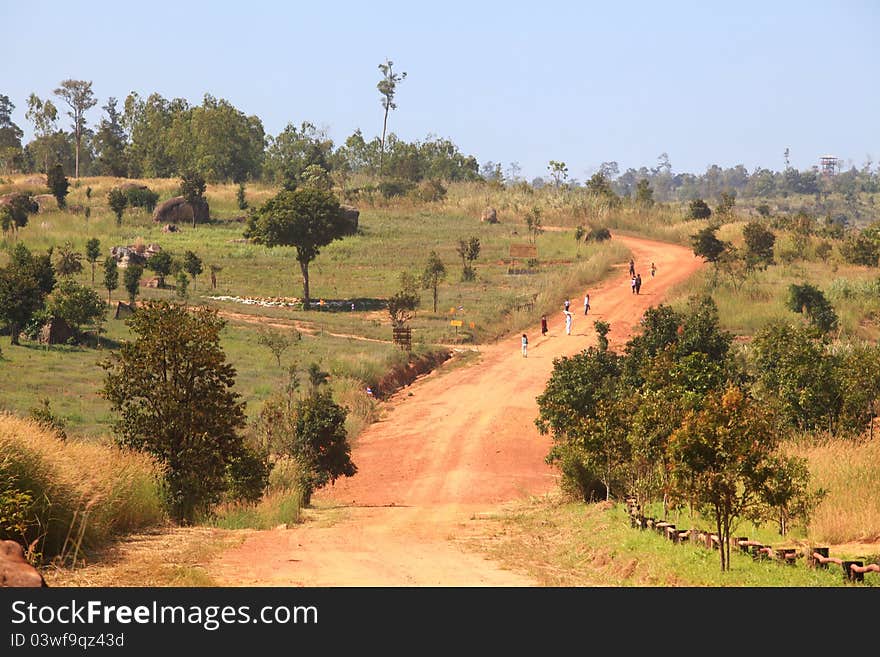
(157, 137)
(682, 418)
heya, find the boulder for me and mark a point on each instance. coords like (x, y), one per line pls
(177, 210)
(124, 187)
(46, 202)
(14, 568)
(55, 331)
(489, 216)
(125, 255)
(351, 215)
(123, 310)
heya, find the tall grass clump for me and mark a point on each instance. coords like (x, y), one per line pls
(280, 505)
(850, 472)
(77, 495)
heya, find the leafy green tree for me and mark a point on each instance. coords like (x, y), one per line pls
(93, 252)
(644, 193)
(10, 136)
(598, 185)
(795, 374)
(785, 492)
(558, 171)
(534, 224)
(320, 443)
(241, 197)
(15, 213)
(68, 262)
(468, 251)
(181, 287)
(602, 330)
(294, 150)
(433, 274)
(387, 87)
(22, 289)
(172, 391)
(860, 250)
(706, 244)
(192, 189)
(79, 97)
(698, 209)
(109, 143)
(720, 455)
(131, 279)
(403, 304)
(117, 200)
(77, 304)
(306, 219)
(278, 341)
(811, 302)
(111, 276)
(43, 116)
(160, 263)
(58, 185)
(726, 203)
(759, 244)
(192, 264)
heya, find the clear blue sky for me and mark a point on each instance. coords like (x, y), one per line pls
(582, 82)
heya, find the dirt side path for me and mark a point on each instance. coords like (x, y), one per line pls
(451, 447)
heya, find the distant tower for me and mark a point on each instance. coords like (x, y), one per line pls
(829, 164)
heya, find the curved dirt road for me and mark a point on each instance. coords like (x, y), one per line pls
(453, 445)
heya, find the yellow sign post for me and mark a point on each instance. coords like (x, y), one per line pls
(455, 322)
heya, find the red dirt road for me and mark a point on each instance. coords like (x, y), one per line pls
(453, 445)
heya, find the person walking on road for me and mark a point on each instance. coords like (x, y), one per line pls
(632, 267)
(586, 303)
(567, 304)
(653, 269)
(567, 322)
(638, 283)
(632, 283)
(525, 346)
(543, 325)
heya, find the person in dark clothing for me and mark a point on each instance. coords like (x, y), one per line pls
(638, 283)
(543, 325)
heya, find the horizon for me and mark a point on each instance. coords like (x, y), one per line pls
(552, 86)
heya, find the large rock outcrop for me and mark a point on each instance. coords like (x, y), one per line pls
(490, 216)
(14, 568)
(177, 210)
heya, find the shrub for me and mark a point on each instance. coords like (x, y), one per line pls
(139, 197)
(430, 191)
(394, 188)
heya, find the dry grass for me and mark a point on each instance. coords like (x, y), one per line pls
(83, 493)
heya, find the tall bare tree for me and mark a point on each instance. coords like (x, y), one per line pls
(387, 88)
(78, 95)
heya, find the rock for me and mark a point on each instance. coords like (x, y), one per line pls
(170, 228)
(14, 568)
(125, 255)
(46, 202)
(177, 210)
(40, 179)
(55, 331)
(489, 216)
(124, 187)
(151, 282)
(351, 215)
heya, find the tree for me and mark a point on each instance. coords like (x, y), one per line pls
(93, 252)
(58, 185)
(811, 302)
(720, 455)
(468, 251)
(278, 342)
(698, 209)
(23, 289)
(43, 116)
(860, 250)
(79, 97)
(241, 197)
(433, 274)
(117, 201)
(387, 87)
(10, 136)
(534, 225)
(192, 264)
(307, 219)
(644, 193)
(160, 263)
(109, 142)
(558, 171)
(726, 203)
(320, 442)
(706, 245)
(68, 262)
(192, 189)
(111, 276)
(759, 245)
(171, 389)
(132, 281)
(15, 212)
(403, 304)
(76, 304)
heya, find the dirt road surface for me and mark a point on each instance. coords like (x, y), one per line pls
(452, 447)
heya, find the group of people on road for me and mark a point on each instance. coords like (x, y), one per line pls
(569, 318)
(636, 278)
